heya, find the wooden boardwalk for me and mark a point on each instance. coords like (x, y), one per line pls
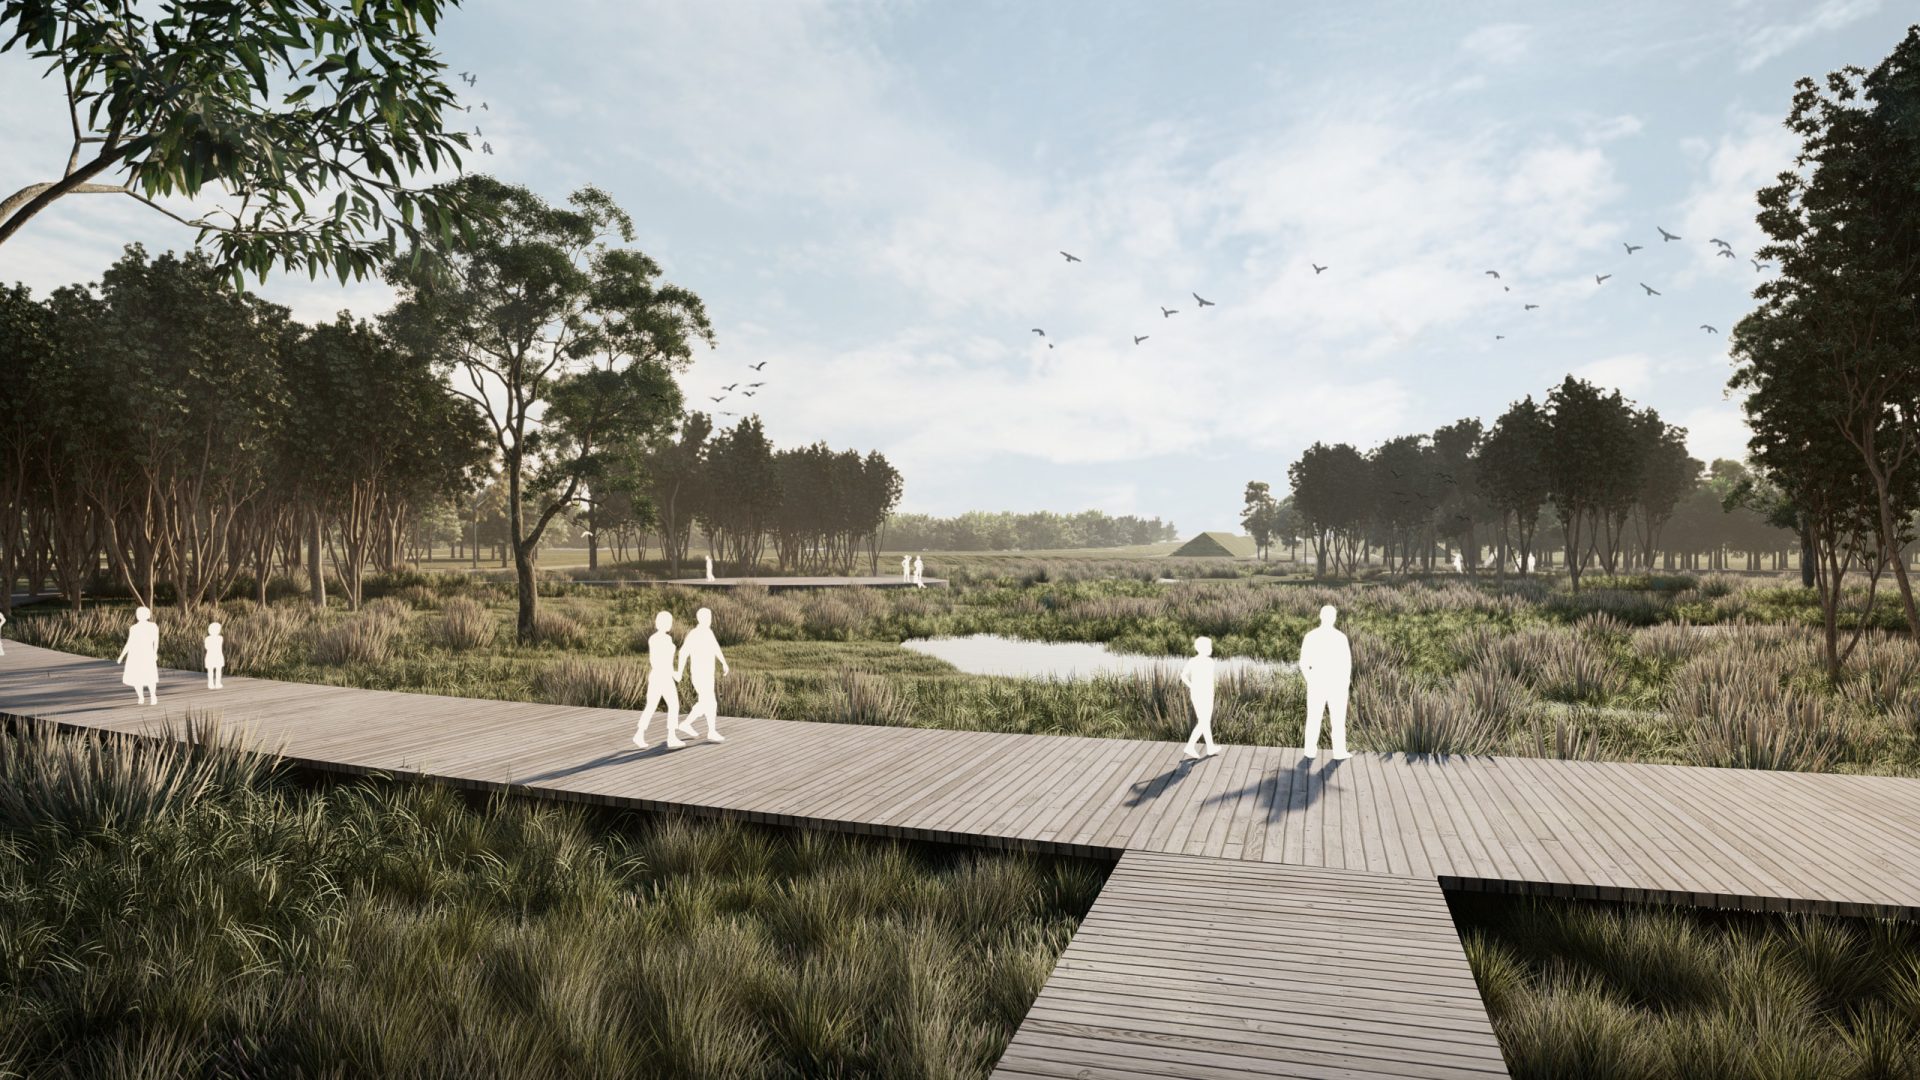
(1711, 837)
(1192, 967)
(773, 584)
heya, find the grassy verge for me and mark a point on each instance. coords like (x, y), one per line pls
(1595, 991)
(185, 911)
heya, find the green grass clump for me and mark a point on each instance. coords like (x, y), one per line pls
(185, 910)
(1589, 989)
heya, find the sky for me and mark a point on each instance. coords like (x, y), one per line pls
(871, 199)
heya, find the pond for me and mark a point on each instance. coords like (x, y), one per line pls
(991, 654)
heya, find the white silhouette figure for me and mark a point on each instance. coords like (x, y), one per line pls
(216, 656)
(1198, 677)
(1457, 567)
(142, 657)
(919, 572)
(660, 683)
(701, 649)
(709, 559)
(1326, 662)
(906, 568)
(3, 622)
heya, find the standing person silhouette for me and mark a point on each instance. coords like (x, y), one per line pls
(701, 650)
(1326, 662)
(906, 568)
(660, 683)
(3, 622)
(919, 572)
(142, 657)
(216, 656)
(1197, 674)
(709, 567)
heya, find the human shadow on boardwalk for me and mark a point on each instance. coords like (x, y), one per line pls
(618, 757)
(1301, 790)
(1145, 791)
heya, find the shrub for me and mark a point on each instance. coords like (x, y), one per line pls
(465, 624)
(555, 628)
(366, 638)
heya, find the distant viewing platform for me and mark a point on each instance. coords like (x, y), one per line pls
(883, 581)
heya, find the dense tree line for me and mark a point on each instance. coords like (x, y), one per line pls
(1585, 473)
(1038, 531)
(183, 435)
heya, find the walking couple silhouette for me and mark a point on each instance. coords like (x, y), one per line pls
(699, 651)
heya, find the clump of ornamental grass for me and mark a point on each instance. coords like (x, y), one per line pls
(464, 624)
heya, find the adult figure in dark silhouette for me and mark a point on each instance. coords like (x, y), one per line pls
(1326, 662)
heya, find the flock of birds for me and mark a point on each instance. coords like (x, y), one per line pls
(470, 79)
(752, 388)
(1724, 250)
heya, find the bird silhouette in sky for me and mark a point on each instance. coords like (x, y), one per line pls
(1168, 313)
(723, 412)
(719, 399)
(1599, 278)
(1726, 253)
(487, 146)
(1717, 240)
(1499, 337)
(476, 129)
(749, 393)
(1758, 265)
(1139, 338)
(730, 387)
(1651, 291)
(469, 77)
(1493, 274)
(756, 385)
(1071, 258)
(1530, 307)
(1665, 235)
(1317, 268)
(1708, 329)
(483, 107)
(1039, 331)
(758, 366)
(1631, 248)
(1202, 302)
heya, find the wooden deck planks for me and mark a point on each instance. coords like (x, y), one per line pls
(1197, 967)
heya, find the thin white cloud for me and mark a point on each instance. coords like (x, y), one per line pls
(1776, 39)
(1499, 43)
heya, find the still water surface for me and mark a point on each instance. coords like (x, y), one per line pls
(991, 654)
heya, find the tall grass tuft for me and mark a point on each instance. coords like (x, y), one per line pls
(465, 624)
(596, 684)
(92, 782)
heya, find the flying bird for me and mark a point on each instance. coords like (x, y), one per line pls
(1529, 307)
(756, 385)
(469, 77)
(1665, 235)
(1499, 337)
(730, 387)
(476, 129)
(1493, 273)
(1717, 240)
(1168, 312)
(1317, 268)
(483, 107)
(1599, 278)
(1202, 302)
(749, 393)
(1071, 258)
(1139, 338)
(1651, 291)
(1726, 253)
(487, 146)
(719, 399)
(1039, 331)
(1708, 329)
(1631, 248)
(758, 366)
(1758, 265)
(723, 412)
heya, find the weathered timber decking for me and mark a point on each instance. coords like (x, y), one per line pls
(1194, 967)
(773, 584)
(1710, 837)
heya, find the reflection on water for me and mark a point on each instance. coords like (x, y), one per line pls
(991, 654)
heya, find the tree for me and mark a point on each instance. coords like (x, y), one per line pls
(1332, 494)
(272, 103)
(1513, 473)
(565, 342)
(1591, 465)
(1666, 475)
(1258, 516)
(676, 479)
(1844, 312)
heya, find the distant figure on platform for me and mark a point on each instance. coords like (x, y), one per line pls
(1198, 677)
(1326, 662)
(216, 656)
(709, 567)
(142, 657)
(919, 572)
(660, 683)
(701, 650)
(1458, 568)
(3, 622)
(906, 568)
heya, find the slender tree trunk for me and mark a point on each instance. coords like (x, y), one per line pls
(316, 571)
